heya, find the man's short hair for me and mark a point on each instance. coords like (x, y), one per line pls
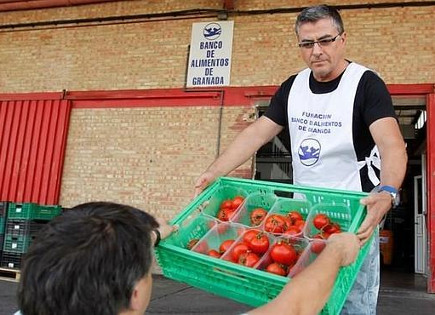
(87, 261)
(319, 12)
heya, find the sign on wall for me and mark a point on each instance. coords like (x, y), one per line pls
(210, 54)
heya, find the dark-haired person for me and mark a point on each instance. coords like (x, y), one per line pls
(95, 259)
(341, 121)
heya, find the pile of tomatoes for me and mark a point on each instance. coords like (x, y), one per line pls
(325, 227)
(228, 207)
(284, 256)
(249, 250)
(290, 224)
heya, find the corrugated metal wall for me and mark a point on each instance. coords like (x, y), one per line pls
(33, 136)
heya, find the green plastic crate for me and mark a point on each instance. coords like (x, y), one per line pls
(2, 225)
(16, 244)
(246, 285)
(33, 211)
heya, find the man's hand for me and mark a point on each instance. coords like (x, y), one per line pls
(203, 181)
(378, 205)
(347, 244)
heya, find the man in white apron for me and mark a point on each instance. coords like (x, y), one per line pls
(341, 122)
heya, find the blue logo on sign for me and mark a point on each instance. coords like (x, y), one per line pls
(212, 31)
(309, 152)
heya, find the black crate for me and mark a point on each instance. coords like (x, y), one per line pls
(23, 227)
(11, 260)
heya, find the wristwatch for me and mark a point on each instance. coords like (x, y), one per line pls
(394, 193)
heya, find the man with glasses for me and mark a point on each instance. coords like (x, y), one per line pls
(341, 122)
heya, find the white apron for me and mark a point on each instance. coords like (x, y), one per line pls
(320, 125)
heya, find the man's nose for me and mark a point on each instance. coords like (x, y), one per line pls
(317, 49)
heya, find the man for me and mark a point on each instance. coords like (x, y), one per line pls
(95, 259)
(341, 122)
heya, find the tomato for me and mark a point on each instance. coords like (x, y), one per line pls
(238, 250)
(226, 204)
(225, 245)
(287, 222)
(214, 253)
(192, 243)
(295, 216)
(275, 224)
(332, 228)
(225, 214)
(237, 201)
(283, 253)
(249, 235)
(318, 245)
(320, 221)
(259, 244)
(248, 259)
(257, 216)
(278, 269)
(300, 224)
(292, 231)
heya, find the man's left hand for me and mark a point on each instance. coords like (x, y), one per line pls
(378, 205)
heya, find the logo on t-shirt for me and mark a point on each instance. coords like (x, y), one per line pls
(309, 151)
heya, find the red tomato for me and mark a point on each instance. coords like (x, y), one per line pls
(275, 224)
(248, 259)
(238, 250)
(292, 231)
(295, 216)
(287, 222)
(225, 245)
(318, 245)
(214, 253)
(225, 214)
(320, 221)
(259, 244)
(332, 228)
(257, 216)
(277, 269)
(226, 204)
(283, 253)
(237, 201)
(300, 224)
(249, 235)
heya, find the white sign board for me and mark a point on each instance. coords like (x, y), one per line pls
(210, 54)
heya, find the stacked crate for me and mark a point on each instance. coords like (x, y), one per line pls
(23, 223)
(3, 211)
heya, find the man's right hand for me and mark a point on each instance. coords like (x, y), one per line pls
(347, 244)
(203, 181)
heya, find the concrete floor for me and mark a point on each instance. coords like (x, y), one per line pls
(401, 293)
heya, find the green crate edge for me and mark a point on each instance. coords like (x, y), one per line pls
(330, 307)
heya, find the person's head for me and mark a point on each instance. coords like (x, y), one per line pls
(322, 24)
(93, 259)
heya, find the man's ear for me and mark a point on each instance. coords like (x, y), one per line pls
(135, 300)
(140, 298)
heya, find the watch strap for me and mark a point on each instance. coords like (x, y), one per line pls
(389, 189)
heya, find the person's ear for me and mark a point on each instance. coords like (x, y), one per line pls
(136, 301)
(343, 37)
(141, 295)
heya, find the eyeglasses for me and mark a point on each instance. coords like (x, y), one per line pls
(322, 42)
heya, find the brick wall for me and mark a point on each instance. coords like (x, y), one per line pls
(150, 157)
(146, 157)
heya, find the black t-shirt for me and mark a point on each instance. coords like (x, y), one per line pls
(372, 102)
